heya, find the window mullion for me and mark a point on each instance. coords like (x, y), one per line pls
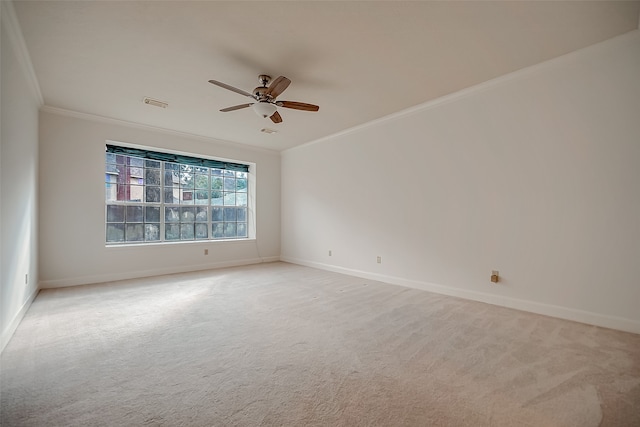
(162, 201)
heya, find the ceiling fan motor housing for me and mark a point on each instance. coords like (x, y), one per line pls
(260, 93)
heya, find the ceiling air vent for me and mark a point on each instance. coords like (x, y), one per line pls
(155, 103)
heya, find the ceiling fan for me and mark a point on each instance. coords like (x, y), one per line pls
(265, 96)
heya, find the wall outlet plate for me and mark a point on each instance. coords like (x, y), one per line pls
(495, 276)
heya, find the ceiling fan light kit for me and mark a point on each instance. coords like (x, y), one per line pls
(264, 109)
(265, 97)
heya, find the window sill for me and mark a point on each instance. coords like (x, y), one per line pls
(179, 243)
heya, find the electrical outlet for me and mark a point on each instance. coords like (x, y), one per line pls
(495, 276)
(206, 251)
(379, 260)
(329, 252)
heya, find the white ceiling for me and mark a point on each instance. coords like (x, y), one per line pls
(358, 60)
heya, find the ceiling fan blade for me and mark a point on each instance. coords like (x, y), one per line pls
(297, 105)
(231, 88)
(236, 107)
(276, 118)
(278, 86)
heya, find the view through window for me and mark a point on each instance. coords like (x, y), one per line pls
(150, 200)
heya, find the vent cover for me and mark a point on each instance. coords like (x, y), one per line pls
(155, 103)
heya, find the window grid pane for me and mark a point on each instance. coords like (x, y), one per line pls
(146, 197)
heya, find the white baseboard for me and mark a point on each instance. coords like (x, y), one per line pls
(111, 277)
(10, 330)
(596, 319)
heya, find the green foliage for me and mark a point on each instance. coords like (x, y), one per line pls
(202, 181)
(216, 183)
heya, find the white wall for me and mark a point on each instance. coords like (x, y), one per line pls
(18, 178)
(536, 174)
(72, 217)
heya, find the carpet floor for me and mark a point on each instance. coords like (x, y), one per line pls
(284, 345)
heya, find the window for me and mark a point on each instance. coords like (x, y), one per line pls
(161, 197)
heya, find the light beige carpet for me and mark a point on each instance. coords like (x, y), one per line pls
(285, 345)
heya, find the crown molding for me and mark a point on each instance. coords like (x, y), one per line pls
(472, 90)
(10, 22)
(150, 128)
